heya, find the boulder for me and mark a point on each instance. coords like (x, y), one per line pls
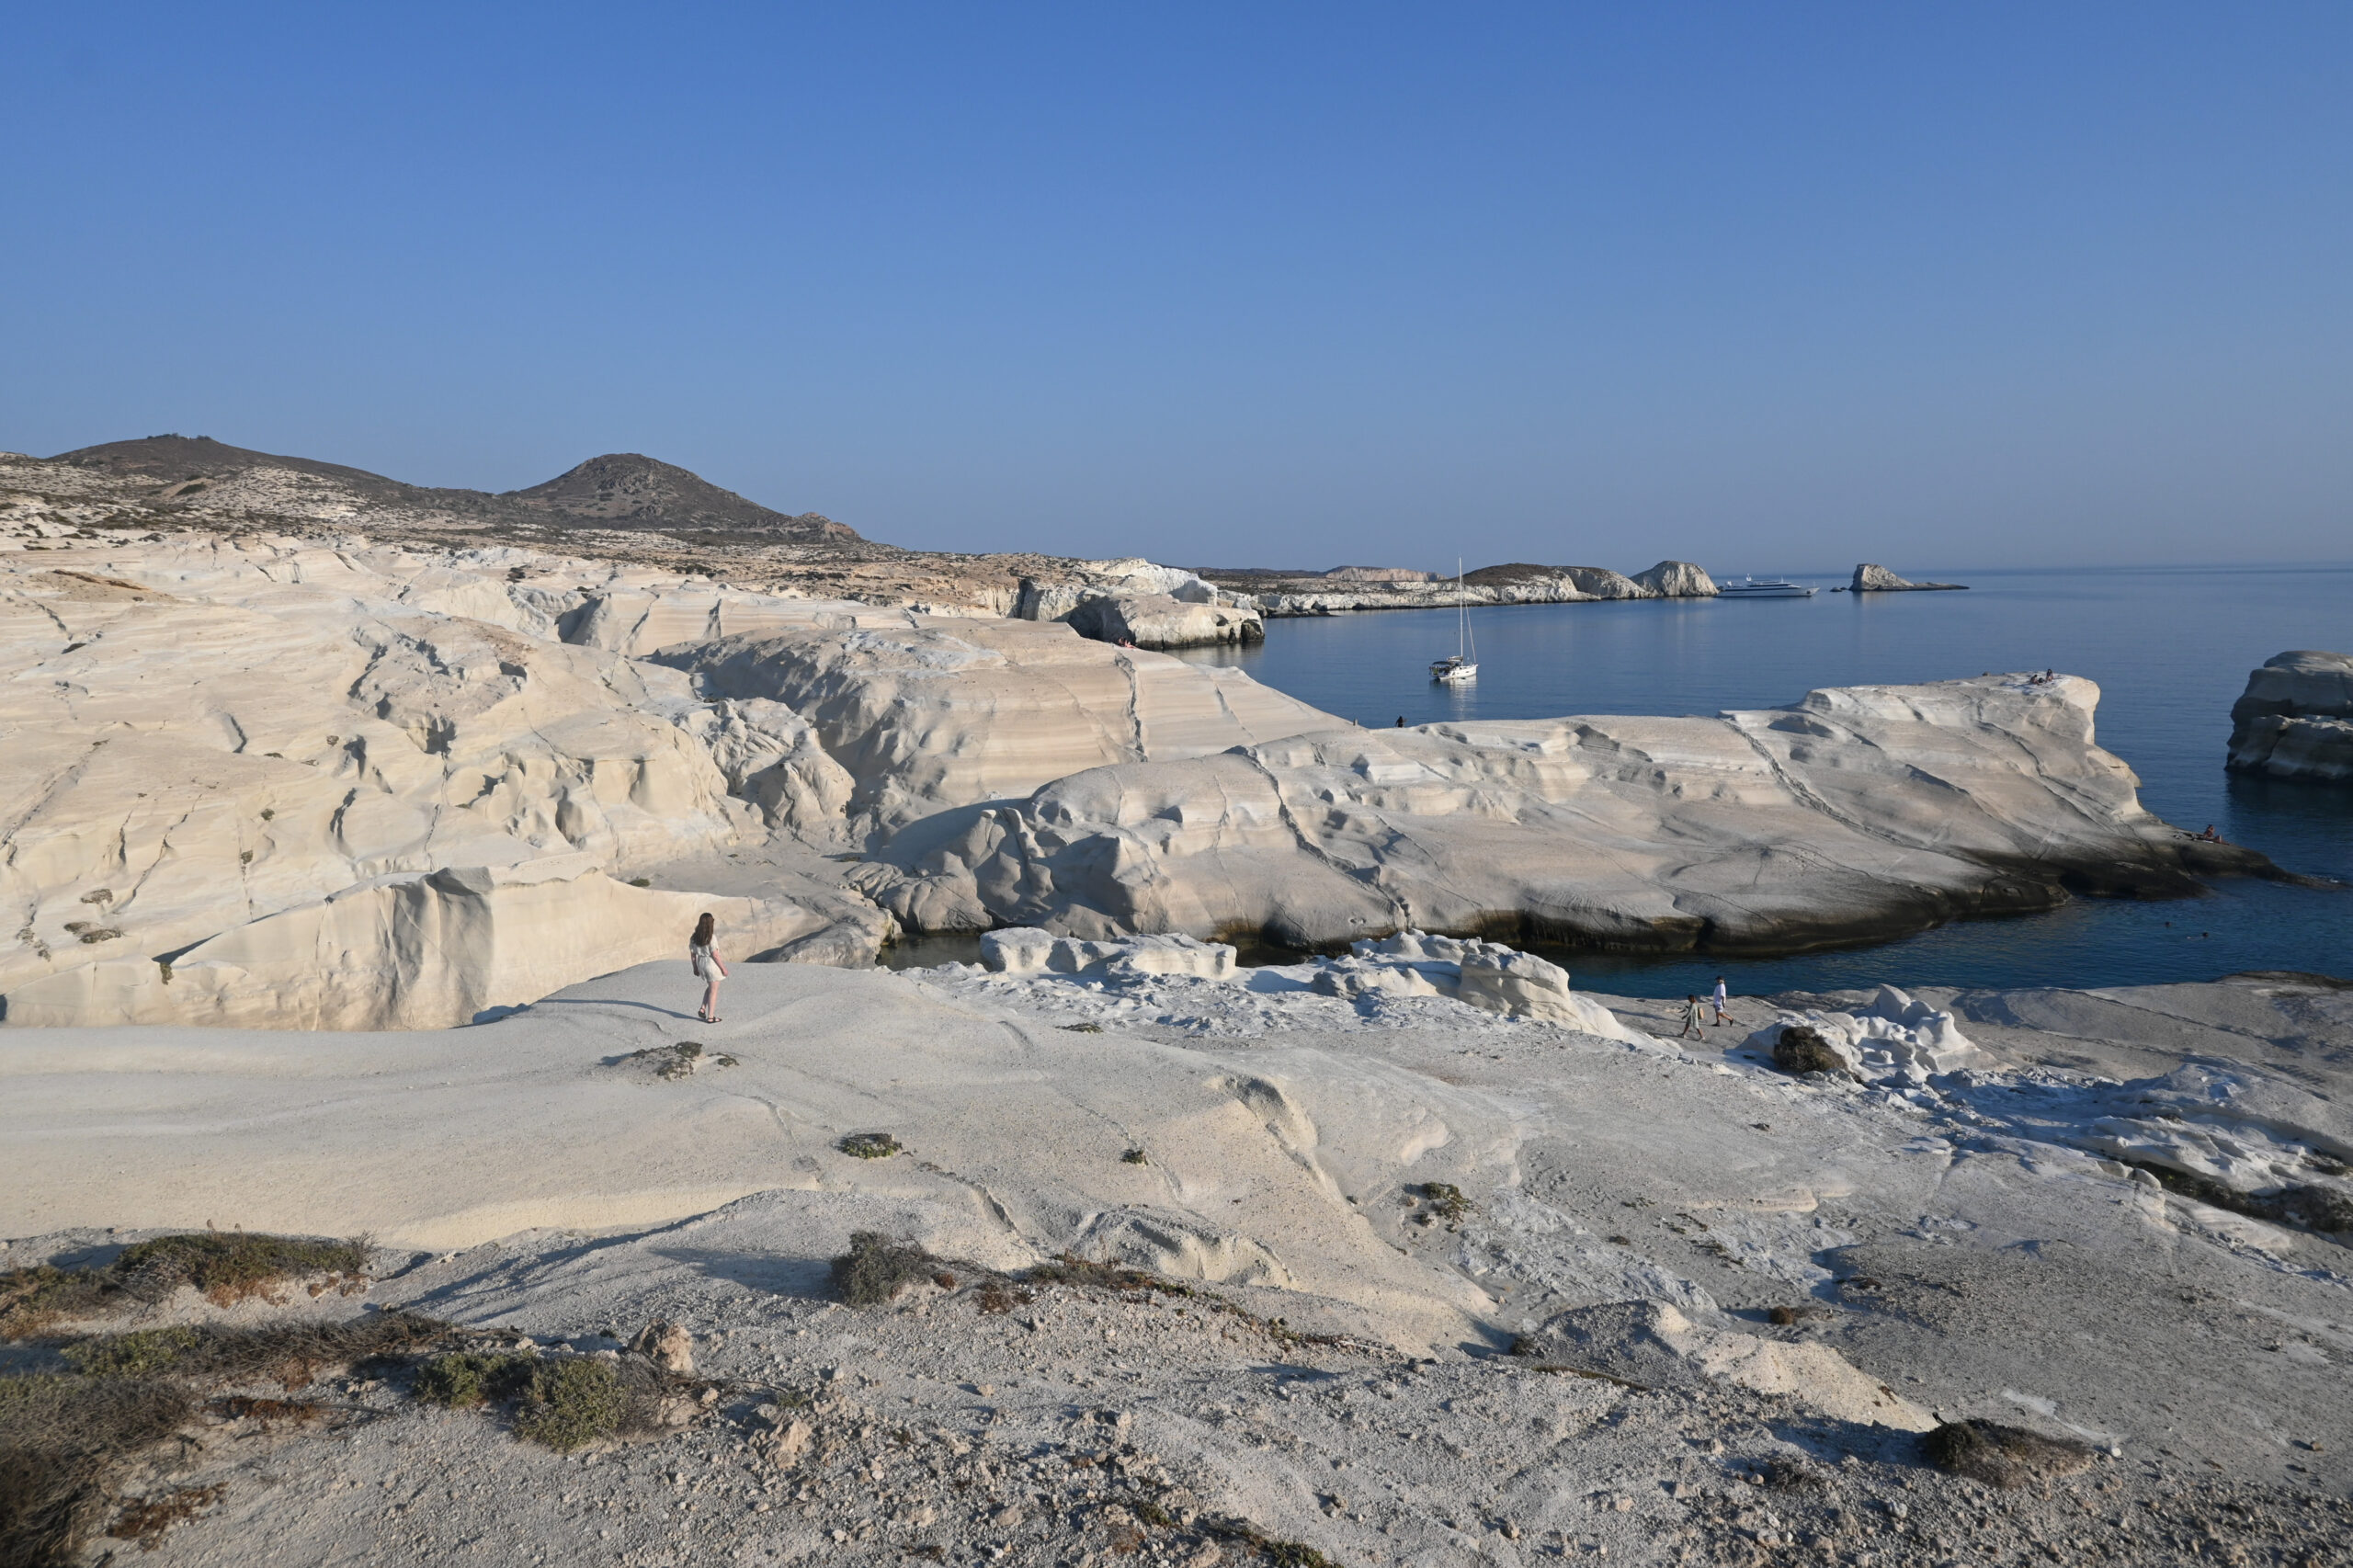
(2295, 720)
(1028, 951)
(1798, 1049)
(1676, 580)
(1162, 621)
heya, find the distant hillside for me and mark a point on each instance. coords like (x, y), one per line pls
(627, 490)
(620, 490)
(170, 459)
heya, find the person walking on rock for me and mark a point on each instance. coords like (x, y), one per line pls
(707, 969)
(1691, 1028)
(1723, 1001)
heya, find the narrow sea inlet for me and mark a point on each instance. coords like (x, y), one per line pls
(2170, 647)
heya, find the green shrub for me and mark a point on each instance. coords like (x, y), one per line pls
(229, 1266)
(139, 1354)
(32, 1299)
(868, 1145)
(571, 1403)
(875, 1267)
(464, 1379)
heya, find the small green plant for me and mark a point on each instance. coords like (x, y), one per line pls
(869, 1146)
(267, 813)
(165, 966)
(876, 1268)
(1134, 1157)
(1442, 1200)
(571, 1403)
(139, 1354)
(641, 881)
(464, 1379)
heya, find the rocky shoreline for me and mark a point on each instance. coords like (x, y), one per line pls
(405, 786)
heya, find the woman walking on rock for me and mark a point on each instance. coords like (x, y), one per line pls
(708, 968)
(1691, 1017)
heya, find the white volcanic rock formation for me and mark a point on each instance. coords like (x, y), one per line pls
(1676, 580)
(1140, 604)
(415, 950)
(1893, 1038)
(1486, 976)
(1857, 811)
(1379, 574)
(946, 713)
(1870, 578)
(1162, 621)
(282, 768)
(2295, 720)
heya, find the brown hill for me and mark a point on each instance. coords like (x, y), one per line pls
(629, 489)
(620, 490)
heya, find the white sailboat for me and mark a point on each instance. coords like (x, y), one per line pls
(1460, 667)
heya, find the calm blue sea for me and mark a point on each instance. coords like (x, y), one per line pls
(2170, 648)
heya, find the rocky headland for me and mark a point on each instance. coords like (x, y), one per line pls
(1870, 578)
(321, 779)
(2295, 720)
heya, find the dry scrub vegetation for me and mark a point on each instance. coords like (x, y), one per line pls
(69, 1438)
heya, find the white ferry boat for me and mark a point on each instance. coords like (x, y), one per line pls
(1764, 588)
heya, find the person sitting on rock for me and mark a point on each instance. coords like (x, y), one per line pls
(707, 967)
(1691, 1015)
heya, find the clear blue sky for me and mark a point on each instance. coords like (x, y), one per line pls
(1766, 286)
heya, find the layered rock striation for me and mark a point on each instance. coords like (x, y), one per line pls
(1856, 813)
(939, 713)
(2295, 720)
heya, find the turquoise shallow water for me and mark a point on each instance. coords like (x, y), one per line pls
(2170, 648)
